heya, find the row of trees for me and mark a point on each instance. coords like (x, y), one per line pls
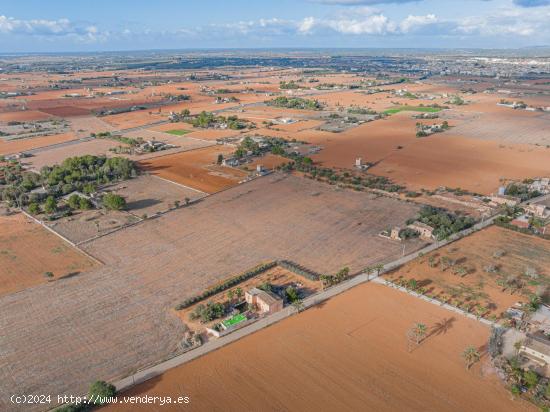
(295, 103)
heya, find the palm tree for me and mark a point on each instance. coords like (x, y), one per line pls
(419, 330)
(239, 293)
(471, 355)
(298, 305)
(379, 267)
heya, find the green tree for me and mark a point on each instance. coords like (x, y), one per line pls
(470, 355)
(34, 208)
(50, 206)
(74, 201)
(84, 204)
(531, 379)
(291, 294)
(113, 201)
(100, 391)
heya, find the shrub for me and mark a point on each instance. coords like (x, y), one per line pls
(99, 391)
(34, 208)
(51, 205)
(113, 201)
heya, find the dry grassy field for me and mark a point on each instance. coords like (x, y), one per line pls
(149, 195)
(349, 354)
(118, 318)
(475, 253)
(27, 251)
(88, 224)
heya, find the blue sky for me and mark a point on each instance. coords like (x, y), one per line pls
(101, 25)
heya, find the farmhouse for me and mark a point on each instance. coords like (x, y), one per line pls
(425, 230)
(536, 348)
(267, 303)
(537, 210)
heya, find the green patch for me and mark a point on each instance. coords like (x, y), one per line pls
(234, 320)
(423, 109)
(59, 249)
(178, 132)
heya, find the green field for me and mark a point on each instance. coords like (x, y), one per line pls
(178, 132)
(424, 109)
(234, 320)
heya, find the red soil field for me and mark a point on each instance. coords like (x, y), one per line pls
(20, 145)
(348, 354)
(66, 111)
(197, 169)
(27, 251)
(24, 116)
(430, 162)
(475, 252)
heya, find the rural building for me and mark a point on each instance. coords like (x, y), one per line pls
(425, 230)
(394, 234)
(521, 221)
(503, 200)
(536, 348)
(540, 320)
(265, 302)
(537, 210)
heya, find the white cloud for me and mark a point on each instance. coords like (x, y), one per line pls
(45, 28)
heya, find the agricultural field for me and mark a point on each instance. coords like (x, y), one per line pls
(152, 266)
(21, 145)
(28, 252)
(148, 195)
(359, 361)
(197, 169)
(438, 160)
(84, 225)
(486, 272)
(56, 155)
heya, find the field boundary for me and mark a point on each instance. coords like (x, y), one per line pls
(74, 245)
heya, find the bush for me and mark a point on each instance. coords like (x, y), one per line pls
(113, 201)
(99, 390)
(51, 205)
(74, 201)
(292, 294)
(34, 208)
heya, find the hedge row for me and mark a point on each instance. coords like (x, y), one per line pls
(299, 270)
(226, 285)
(523, 230)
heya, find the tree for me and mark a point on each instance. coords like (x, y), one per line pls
(34, 208)
(220, 159)
(298, 305)
(51, 205)
(84, 204)
(49, 274)
(420, 330)
(531, 379)
(291, 294)
(230, 295)
(471, 355)
(416, 334)
(113, 201)
(239, 293)
(100, 391)
(74, 201)
(379, 267)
